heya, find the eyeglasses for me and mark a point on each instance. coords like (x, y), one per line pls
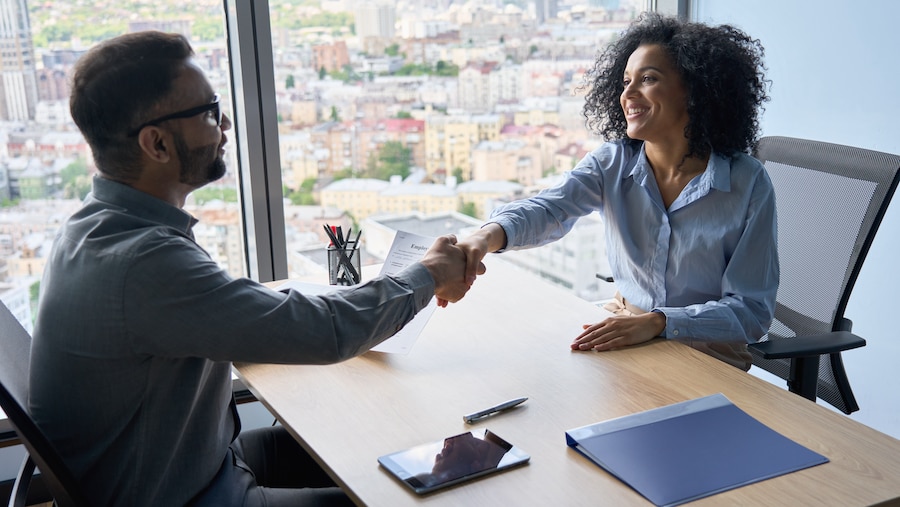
(187, 113)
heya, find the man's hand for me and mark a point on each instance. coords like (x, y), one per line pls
(620, 331)
(447, 264)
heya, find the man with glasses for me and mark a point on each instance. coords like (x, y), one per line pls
(137, 327)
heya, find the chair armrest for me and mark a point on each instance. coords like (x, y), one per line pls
(813, 345)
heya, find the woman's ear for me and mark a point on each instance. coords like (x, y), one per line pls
(155, 143)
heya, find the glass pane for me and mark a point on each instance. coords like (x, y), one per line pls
(45, 165)
(425, 114)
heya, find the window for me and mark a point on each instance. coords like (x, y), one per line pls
(46, 166)
(434, 109)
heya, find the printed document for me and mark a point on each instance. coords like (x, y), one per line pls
(406, 249)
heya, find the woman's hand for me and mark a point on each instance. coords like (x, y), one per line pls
(483, 241)
(620, 331)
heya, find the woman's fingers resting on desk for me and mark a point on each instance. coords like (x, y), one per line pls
(620, 331)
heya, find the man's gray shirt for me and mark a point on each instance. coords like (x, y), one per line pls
(135, 334)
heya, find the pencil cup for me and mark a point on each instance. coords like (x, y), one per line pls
(343, 265)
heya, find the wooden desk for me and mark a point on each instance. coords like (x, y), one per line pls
(509, 337)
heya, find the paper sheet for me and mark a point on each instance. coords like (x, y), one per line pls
(406, 249)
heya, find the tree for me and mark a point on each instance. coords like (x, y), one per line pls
(322, 73)
(303, 196)
(76, 181)
(392, 50)
(207, 28)
(217, 192)
(71, 172)
(446, 69)
(404, 115)
(393, 159)
(289, 82)
(468, 208)
(334, 114)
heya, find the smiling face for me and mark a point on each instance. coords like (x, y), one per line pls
(654, 99)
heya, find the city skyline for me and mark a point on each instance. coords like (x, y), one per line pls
(479, 93)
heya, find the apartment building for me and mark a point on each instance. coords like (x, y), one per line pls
(449, 141)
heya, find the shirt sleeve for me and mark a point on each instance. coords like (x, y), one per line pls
(749, 283)
(551, 214)
(182, 304)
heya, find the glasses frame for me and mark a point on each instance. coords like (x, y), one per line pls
(187, 113)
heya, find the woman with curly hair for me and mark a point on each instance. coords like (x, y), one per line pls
(689, 214)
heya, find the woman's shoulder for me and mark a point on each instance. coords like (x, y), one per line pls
(612, 153)
(748, 171)
(745, 159)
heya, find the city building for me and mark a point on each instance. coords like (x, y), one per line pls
(483, 194)
(507, 160)
(449, 141)
(375, 19)
(331, 57)
(18, 79)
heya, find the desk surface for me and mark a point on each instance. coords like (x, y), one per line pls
(509, 337)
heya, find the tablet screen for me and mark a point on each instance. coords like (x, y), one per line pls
(431, 466)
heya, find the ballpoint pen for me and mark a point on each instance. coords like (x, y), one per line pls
(506, 405)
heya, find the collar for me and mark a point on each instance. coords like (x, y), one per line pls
(141, 204)
(716, 176)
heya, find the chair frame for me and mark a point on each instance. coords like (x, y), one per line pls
(805, 351)
(55, 474)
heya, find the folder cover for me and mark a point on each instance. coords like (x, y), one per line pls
(682, 452)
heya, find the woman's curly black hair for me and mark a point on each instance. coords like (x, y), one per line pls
(722, 69)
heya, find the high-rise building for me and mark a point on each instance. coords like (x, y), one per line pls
(545, 10)
(609, 5)
(18, 81)
(374, 19)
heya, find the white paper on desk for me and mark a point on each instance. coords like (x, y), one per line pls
(406, 249)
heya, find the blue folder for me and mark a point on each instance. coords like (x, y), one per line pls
(693, 449)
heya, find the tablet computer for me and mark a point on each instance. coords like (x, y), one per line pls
(435, 465)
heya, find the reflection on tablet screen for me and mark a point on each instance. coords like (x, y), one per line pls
(430, 466)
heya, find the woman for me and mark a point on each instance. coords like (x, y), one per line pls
(689, 215)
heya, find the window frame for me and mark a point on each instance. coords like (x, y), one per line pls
(255, 125)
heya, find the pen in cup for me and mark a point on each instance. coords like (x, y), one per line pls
(343, 268)
(496, 409)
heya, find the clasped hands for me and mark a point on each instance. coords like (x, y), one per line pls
(453, 268)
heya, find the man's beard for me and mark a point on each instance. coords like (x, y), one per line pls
(199, 166)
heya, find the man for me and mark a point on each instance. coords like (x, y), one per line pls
(137, 327)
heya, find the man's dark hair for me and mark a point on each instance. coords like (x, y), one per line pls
(119, 84)
(722, 70)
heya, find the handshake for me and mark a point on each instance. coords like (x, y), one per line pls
(454, 264)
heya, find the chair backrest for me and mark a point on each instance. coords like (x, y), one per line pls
(15, 351)
(830, 201)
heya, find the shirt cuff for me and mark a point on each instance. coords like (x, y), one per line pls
(673, 328)
(419, 280)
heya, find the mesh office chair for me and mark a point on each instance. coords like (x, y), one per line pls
(15, 351)
(830, 200)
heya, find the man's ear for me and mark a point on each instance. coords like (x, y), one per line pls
(155, 143)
